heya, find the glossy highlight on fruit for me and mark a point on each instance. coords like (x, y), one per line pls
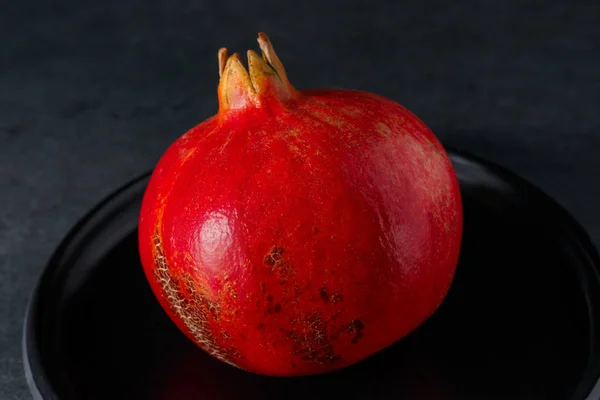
(300, 231)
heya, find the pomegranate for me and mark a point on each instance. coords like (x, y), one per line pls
(299, 232)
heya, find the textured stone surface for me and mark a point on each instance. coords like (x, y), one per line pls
(91, 93)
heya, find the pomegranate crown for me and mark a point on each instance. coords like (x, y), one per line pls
(263, 82)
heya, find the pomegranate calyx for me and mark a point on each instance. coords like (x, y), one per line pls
(264, 82)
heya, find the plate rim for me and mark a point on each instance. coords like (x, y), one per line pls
(35, 375)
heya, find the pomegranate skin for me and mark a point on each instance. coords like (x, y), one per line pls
(299, 232)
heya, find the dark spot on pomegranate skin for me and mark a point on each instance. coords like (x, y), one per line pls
(273, 256)
(315, 229)
(310, 341)
(260, 326)
(274, 259)
(323, 294)
(283, 270)
(356, 326)
(277, 308)
(326, 297)
(269, 298)
(263, 287)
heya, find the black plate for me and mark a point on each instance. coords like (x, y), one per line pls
(520, 320)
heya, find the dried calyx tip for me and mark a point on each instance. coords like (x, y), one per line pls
(268, 53)
(223, 55)
(264, 77)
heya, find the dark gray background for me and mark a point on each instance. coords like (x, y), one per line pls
(92, 92)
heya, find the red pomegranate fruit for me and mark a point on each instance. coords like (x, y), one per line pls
(299, 232)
